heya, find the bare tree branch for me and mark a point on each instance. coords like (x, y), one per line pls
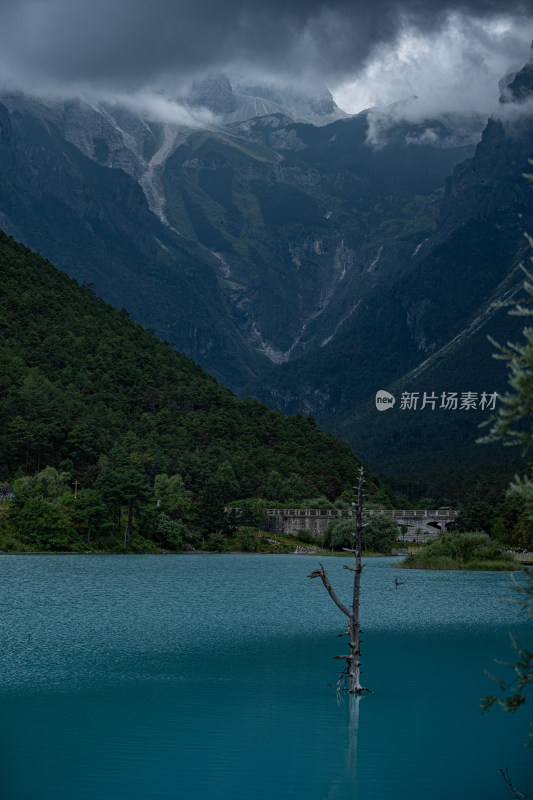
(321, 573)
(513, 789)
(350, 676)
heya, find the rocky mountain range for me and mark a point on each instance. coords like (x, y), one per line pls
(237, 99)
(306, 264)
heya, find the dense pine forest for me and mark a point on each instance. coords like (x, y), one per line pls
(113, 439)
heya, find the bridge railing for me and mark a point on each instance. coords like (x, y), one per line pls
(524, 558)
(441, 513)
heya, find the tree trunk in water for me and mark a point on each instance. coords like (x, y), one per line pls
(352, 742)
(355, 644)
(351, 675)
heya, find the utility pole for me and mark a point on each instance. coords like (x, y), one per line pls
(350, 676)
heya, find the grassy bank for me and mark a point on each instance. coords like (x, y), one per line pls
(470, 551)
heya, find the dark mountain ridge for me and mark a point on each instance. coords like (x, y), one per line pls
(256, 229)
(296, 263)
(427, 330)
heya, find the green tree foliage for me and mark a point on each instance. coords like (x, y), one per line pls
(43, 523)
(49, 483)
(215, 542)
(477, 516)
(514, 425)
(522, 535)
(273, 486)
(506, 519)
(320, 502)
(247, 539)
(379, 534)
(514, 422)
(123, 484)
(339, 534)
(40, 510)
(89, 513)
(294, 489)
(171, 496)
(228, 484)
(211, 517)
(512, 693)
(172, 533)
(496, 513)
(252, 512)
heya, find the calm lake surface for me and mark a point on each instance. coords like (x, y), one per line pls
(199, 676)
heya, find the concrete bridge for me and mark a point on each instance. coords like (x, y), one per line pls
(422, 524)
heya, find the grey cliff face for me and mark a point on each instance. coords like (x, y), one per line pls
(214, 93)
(235, 100)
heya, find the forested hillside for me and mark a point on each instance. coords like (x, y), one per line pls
(112, 409)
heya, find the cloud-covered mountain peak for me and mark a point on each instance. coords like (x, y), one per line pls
(517, 85)
(236, 99)
(215, 93)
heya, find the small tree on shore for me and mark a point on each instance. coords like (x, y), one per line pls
(350, 676)
(513, 424)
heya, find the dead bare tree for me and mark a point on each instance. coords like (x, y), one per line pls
(350, 676)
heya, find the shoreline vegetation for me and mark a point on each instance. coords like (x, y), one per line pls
(453, 550)
(474, 551)
(321, 553)
(243, 539)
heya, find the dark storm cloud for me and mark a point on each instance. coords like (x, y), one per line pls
(130, 43)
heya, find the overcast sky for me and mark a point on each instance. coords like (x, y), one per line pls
(451, 54)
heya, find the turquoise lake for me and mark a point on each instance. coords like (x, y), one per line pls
(206, 676)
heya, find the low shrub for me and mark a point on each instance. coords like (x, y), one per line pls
(247, 539)
(215, 543)
(473, 550)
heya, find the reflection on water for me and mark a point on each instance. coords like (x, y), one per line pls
(208, 677)
(353, 732)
